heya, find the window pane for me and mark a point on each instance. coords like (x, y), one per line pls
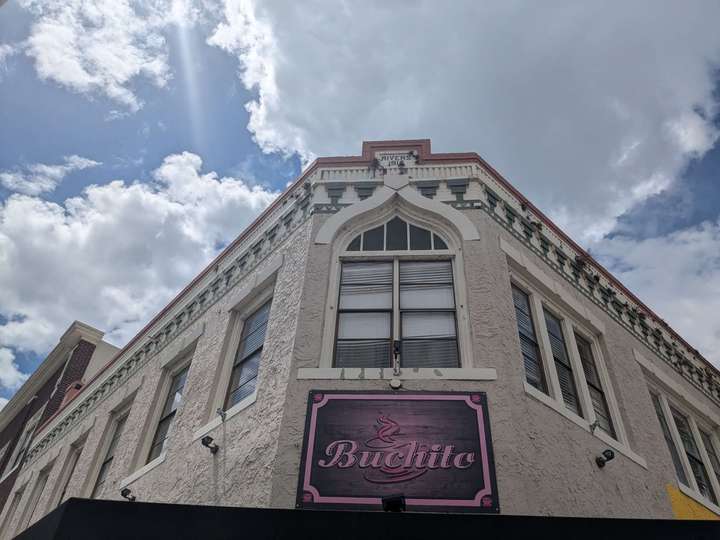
(257, 320)
(251, 343)
(562, 363)
(693, 454)
(418, 272)
(597, 395)
(534, 373)
(377, 296)
(712, 454)
(175, 396)
(430, 353)
(429, 296)
(567, 387)
(363, 353)
(679, 471)
(419, 238)
(396, 234)
(245, 371)
(364, 325)
(428, 324)
(367, 273)
(373, 239)
(439, 242)
(355, 244)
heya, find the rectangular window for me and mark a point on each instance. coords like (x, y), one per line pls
(109, 457)
(365, 308)
(243, 378)
(412, 302)
(75, 453)
(427, 315)
(172, 402)
(592, 378)
(679, 471)
(712, 454)
(562, 363)
(12, 509)
(693, 454)
(35, 498)
(534, 372)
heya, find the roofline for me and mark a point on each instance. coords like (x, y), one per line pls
(423, 146)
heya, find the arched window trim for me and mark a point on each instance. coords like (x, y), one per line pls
(427, 220)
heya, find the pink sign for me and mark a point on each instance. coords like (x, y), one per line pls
(432, 447)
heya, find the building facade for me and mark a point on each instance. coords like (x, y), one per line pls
(381, 286)
(80, 353)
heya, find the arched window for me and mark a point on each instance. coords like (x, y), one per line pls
(396, 307)
(397, 235)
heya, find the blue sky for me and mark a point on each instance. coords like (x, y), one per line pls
(138, 138)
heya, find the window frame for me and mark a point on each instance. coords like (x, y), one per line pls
(36, 493)
(68, 470)
(102, 456)
(248, 312)
(539, 303)
(668, 402)
(167, 374)
(452, 253)
(396, 311)
(248, 305)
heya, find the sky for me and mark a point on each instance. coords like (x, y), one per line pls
(138, 138)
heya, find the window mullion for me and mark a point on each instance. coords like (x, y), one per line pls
(578, 372)
(396, 334)
(675, 434)
(548, 361)
(704, 456)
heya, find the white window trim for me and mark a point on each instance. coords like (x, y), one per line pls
(340, 254)
(36, 493)
(66, 472)
(554, 398)
(691, 490)
(151, 423)
(123, 411)
(142, 471)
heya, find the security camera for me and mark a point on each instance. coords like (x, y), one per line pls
(607, 455)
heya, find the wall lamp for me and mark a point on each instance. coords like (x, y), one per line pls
(607, 455)
(393, 503)
(126, 493)
(207, 442)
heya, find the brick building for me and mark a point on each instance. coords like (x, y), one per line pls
(80, 353)
(399, 322)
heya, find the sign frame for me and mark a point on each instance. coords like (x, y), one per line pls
(486, 499)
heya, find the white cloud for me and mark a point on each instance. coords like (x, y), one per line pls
(115, 255)
(11, 378)
(100, 47)
(588, 109)
(3, 402)
(678, 276)
(6, 51)
(40, 178)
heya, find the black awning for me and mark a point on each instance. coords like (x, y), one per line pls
(79, 519)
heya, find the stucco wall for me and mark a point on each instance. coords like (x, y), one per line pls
(240, 473)
(545, 463)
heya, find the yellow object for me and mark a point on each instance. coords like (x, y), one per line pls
(686, 508)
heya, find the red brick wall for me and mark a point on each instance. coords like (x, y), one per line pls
(75, 369)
